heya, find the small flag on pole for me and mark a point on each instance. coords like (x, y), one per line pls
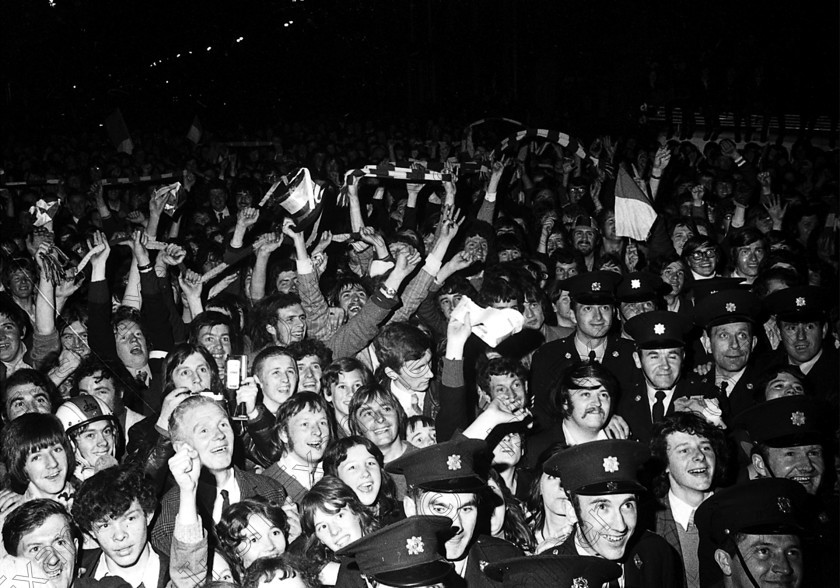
(118, 132)
(634, 214)
(195, 132)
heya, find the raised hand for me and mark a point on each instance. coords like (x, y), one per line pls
(247, 217)
(247, 395)
(137, 218)
(157, 203)
(191, 285)
(99, 250)
(661, 159)
(185, 467)
(139, 239)
(773, 206)
(266, 244)
(173, 254)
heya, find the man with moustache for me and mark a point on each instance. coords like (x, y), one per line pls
(692, 454)
(585, 239)
(443, 481)
(660, 353)
(601, 481)
(585, 400)
(729, 319)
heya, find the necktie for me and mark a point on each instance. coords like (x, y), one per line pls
(613, 584)
(659, 406)
(724, 384)
(592, 355)
(415, 405)
(141, 379)
(225, 500)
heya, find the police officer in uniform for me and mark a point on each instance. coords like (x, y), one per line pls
(446, 480)
(601, 480)
(407, 554)
(790, 440)
(729, 319)
(750, 535)
(593, 306)
(660, 353)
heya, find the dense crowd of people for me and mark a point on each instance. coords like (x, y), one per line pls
(204, 387)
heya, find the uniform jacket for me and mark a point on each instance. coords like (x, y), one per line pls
(635, 408)
(553, 358)
(648, 561)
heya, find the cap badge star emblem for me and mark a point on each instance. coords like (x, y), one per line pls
(730, 307)
(611, 464)
(414, 546)
(596, 286)
(800, 301)
(659, 329)
(797, 418)
(453, 462)
(635, 284)
(783, 502)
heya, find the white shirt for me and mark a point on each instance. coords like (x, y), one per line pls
(581, 551)
(583, 349)
(731, 381)
(407, 398)
(221, 214)
(572, 440)
(808, 365)
(145, 371)
(303, 473)
(651, 397)
(234, 496)
(682, 510)
(148, 575)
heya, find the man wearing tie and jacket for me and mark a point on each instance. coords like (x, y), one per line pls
(660, 352)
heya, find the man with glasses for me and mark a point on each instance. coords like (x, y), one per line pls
(702, 256)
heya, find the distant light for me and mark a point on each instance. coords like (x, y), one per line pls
(291, 22)
(101, 125)
(209, 48)
(190, 52)
(239, 40)
(285, 24)
(74, 87)
(177, 56)
(167, 81)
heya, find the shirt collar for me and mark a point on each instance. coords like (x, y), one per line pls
(682, 510)
(571, 439)
(732, 380)
(583, 349)
(406, 396)
(148, 574)
(808, 365)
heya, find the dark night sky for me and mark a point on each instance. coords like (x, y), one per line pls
(531, 58)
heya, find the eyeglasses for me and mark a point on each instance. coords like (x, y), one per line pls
(703, 254)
